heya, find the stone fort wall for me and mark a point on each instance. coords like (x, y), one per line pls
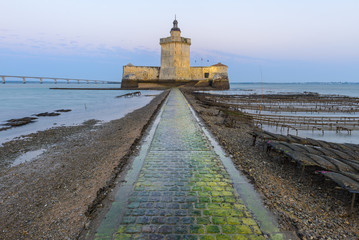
(141, 72)
(144, 73)
(149, 77)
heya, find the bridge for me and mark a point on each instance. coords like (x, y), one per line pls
(5, 78)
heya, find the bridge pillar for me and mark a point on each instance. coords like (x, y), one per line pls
(3, 79)
(23, 80)
(41, 80)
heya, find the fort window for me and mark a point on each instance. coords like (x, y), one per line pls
(206, 75)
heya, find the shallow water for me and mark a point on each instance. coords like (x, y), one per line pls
(24, 100)
(347, 89)
(26, 157)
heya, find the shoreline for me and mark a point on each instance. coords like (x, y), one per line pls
(55, 195)
(310, 209)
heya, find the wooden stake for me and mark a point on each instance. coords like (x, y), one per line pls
(352, 205)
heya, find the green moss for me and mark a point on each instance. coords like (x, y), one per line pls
(256, 230)
(207, 237)
(211, 184)
(121, 229)
(203, 220)
(207, 212)
(233, 220)
(204, 199)
(229, 229)
(221, 212)
(216, 194)
(223, 237)
(214, 206)
(204, 194)
(212, 229)
(244, 229)
(218, 220)
(240, 237)
(217, 199)
(249, 221)
(122, 237)
(196, 229)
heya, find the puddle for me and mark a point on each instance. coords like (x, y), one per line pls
(26, 157)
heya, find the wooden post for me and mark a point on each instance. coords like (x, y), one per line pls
(352, 205)
(254, 140)
(302, 173)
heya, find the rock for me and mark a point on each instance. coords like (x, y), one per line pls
(20, 121)
(202, 83)
(220, 81)
(47, 114)
(129, 81)
(63, 110)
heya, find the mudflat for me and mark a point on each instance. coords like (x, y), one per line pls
(53, 196)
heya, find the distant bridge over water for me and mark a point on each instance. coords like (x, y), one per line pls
(6, 78)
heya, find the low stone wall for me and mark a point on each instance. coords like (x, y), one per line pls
(218, 83)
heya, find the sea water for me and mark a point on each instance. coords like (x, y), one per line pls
(344, 89)
(24, 100)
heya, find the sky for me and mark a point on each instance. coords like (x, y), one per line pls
(288, 41)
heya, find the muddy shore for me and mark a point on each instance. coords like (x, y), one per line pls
(312, 208)
(53, 196)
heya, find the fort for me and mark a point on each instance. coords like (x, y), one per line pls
(175, 69)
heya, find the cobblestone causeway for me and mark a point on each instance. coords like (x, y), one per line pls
(183, 190)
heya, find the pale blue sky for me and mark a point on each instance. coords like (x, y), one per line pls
(291, 41)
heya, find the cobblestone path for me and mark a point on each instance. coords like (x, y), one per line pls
(183, 190)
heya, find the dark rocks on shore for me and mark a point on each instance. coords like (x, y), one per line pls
(133, 94)
(63, 110)
(4, 128)
(47, 114)
(19, 121)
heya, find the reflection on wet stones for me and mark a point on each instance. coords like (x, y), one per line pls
(183, 190)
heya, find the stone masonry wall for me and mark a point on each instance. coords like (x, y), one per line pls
(142, 73)
(198, 73)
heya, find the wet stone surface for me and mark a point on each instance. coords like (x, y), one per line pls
(183, 190)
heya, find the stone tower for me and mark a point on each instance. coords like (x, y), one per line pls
(175, 56)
